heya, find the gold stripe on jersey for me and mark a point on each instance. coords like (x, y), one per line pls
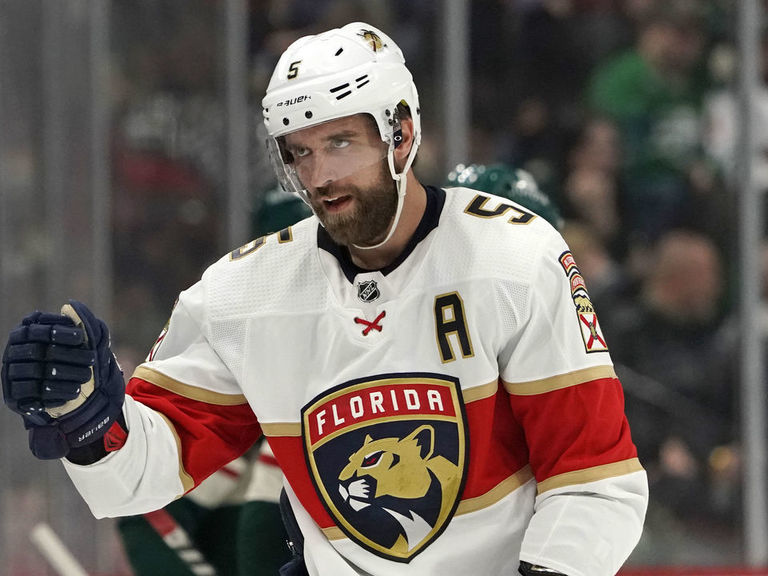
(591, 474)
(502, 489)
(480, 392)
(567, 380)
(187, 391)
(495, 494)
(186, 480)
(281, 428)
(334, 533)
(248, 248)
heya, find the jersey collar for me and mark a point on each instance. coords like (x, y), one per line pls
(429, 221)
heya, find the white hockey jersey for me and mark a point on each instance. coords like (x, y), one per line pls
(451, 414)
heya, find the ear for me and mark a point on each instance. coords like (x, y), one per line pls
(424, 436)
(404, 148)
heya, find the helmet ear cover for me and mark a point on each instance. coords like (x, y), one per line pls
(397, 127)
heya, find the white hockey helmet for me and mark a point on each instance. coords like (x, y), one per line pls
(345, 71)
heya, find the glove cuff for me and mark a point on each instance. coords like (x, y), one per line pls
(48, 442)
(113, 440)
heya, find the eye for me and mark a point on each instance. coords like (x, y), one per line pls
(339, 143)
(372, 459)
(300, 152)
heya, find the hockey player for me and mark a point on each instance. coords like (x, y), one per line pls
(426, 367)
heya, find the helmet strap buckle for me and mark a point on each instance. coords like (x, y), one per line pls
(397, 130)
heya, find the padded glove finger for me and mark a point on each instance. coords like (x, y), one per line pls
(49, 372)
(38, 317)
(39, 352)
(42, 385)
(27, 352)
(58, 329)
(24, 371)
(67, 355)
(24, 390)
(56, 394)
(47, 395)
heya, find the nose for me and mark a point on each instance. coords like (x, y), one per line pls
(317, 172)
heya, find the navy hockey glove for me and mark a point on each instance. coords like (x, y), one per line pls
(59, 373)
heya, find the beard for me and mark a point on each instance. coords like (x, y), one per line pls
(370, 215)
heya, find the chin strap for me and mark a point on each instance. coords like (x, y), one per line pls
(401, 183)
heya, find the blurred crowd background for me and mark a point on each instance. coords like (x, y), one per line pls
(625, 112)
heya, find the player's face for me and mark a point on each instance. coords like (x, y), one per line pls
(342, 166)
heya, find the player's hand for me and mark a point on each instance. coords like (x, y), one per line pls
(59, 373)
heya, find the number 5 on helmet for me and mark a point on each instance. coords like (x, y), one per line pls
(61, 376)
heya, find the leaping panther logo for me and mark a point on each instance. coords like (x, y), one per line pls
(373, 40)
(395, 475)
(388, 457)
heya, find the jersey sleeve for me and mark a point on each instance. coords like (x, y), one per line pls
(186, 417)
(591, 489)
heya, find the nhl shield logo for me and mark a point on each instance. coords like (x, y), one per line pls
(368, 291)
(388, 457)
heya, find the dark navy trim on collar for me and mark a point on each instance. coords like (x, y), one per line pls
(429, 221)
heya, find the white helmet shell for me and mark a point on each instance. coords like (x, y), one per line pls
(350, 70)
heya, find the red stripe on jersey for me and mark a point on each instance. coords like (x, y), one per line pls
(560, 431)
(497, 446)
(575, 428)
(289, 451)
(210, 435)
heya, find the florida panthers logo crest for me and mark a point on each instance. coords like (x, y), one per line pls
(388, 458)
